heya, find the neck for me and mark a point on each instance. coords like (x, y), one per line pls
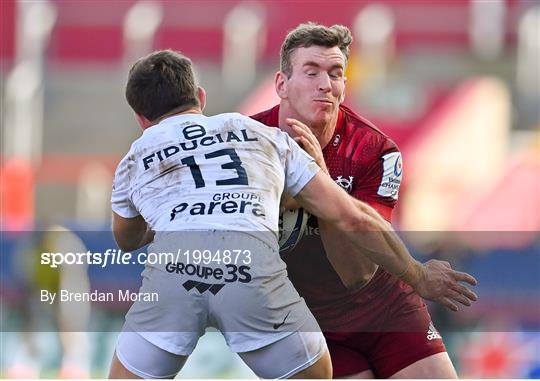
(173, 112)
(179, 111)
(327, 131)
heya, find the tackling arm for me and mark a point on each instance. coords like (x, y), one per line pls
(373, 237)
(360, 224)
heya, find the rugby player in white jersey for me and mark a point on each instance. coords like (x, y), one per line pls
(213, 185)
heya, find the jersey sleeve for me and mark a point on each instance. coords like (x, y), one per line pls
(121, 203)
(381, 178)
(300, 168)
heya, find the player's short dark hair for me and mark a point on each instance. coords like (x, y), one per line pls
(161, 82)
(309, 34)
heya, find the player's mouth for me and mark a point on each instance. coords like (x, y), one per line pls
(323, 101)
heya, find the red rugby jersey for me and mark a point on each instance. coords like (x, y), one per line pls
(367, 164)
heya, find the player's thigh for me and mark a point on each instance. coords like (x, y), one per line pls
(321, 369)
(290, 356)
(366, 374)
(435, 366)
(348, 361)
(136, 357)
(119, 371)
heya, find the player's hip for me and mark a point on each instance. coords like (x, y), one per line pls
(250, 314)
(384, 305)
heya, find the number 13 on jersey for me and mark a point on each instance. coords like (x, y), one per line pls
(235, 164)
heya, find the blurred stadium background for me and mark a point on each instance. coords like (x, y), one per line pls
(455, 83)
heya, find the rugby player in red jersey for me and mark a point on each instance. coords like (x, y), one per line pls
(377, 325)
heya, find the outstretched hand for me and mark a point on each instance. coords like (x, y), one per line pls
(438, 282)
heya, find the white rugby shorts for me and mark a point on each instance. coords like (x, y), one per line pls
(252, 302)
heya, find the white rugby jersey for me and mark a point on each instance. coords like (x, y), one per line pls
(197, 172)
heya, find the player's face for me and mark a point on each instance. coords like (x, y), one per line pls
(316, 87)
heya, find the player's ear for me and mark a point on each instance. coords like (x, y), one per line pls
(142, 121)
(201, 93)
(280, 83)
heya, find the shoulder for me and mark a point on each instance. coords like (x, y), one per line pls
(139, 148)
(268, 117)
(364, 130)
(241, 121)
(148, 137)
(236, 117)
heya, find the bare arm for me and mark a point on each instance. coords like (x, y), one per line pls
(358, 222)
(374, 238)
(434, 280)
(131, 233)
(355, 269)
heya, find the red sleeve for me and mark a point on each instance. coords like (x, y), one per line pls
(378, 177)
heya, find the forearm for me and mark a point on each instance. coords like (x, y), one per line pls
(380, 243)
(360, 224)
(353, 267)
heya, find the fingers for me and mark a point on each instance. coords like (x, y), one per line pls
(301, 129)
(448, 304)
(460, 294)
(307, 135)
(438, 262)
(464, 277)
(460, 298)
(457, 275)
(465, 291)
(308, 141)
(298, 126)
(296, 123)
(308, 147)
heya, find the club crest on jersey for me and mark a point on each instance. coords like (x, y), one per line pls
(391, 176)
(345, 183)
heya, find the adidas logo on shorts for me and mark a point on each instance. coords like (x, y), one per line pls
(432, 333)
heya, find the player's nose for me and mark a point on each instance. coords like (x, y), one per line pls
(324, 84)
